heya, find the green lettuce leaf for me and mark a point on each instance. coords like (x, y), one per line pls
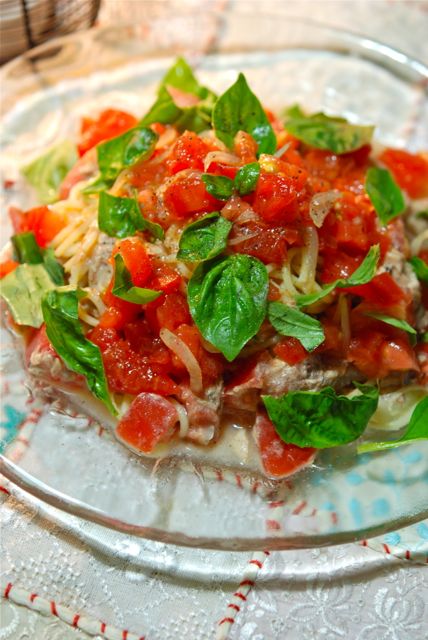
(289, 321)
(47, 172)
(23, 290)
(63, 328)
(417, 429)
(321, 419)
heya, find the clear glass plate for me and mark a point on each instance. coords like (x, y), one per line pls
(128, 505)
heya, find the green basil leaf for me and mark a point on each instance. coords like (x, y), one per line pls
(120, 153)
(227, 299)
(394, 322)
(123, 287)
(26, 249)
(53, 267)
(219, 187)
(63, 328)
(422, 214)
(164, 110)
(424, 337)
(238, 109)
(289, 321)
(204, 239)
(327, 132)
(47, 172)
(23, 290)
(122, 217)
(363, 274)
(417, 429)
(420, 268)
(246, 179)
(384, 193)
(321, 419)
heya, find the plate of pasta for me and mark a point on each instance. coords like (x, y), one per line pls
(233, 290)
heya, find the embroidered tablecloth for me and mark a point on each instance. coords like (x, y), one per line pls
(56, 587)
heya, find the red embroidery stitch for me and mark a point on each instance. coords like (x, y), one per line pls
(299, 508)
(103, 627)
(387, 549)
(231, 620)
(256, 562)
(6, 491)
(249, 583)
(238, 594)
(33, 597)
(7, 590)
(234, 606)
(76, 620)
(53, 609)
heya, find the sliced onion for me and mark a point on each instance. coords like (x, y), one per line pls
(241, 236)
(181, 98)
(321, 204)
(184, 354)
(167, 138)
(220, 156)
(182, 417)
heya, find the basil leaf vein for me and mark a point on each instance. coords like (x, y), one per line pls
(227, 299)
(289, 321)
(63, 328)
(362, 275)
(204, 239)
(384, 193)
(47, 172)
(23, 290)
(238, 109)
(327, 132)
(417, 429)
(121, 217)
(124, 288)
(321, 419)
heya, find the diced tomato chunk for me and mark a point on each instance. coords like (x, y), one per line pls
(275, 199)
(169, 311)
(211, 364)
(39, 342)
(165, 278)
(187, 196)
(382, 290)
(109, 124)
(290, 350)
(136, 260)
(188, 152)
(377, 353)
(7, 267)
(337, 265)
(118, 311)
(149, 421)
(42, 221)
(267, 243)
(410, 171)
(279, 459)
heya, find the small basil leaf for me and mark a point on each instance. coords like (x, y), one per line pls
(321, 419)
(417, 429)
(164, 110)
(289, 321)
(23, 290)
(227, 299)
(394, 322)
(384, 193)
(26, 249)
(424, 337)
(204, 239)
(246, 179)
(53, 267)
(238, 109)
(422, 214)
(219, 187)
(122, 217)
(47, 172)
(363, 274)
(120, 153)
(420, 268)
(123, 287)
(63, 328)
(326, 132)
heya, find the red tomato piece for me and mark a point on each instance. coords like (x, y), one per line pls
(275, 199)
(279, 459)
(119, 312)
(376, 353)
(136, 260)
(409, 170)
(186, 196)
(43, 222)
(165, 278)
(188, 152)
(382, 290)
(211, 364)
(336, 265)
(170, 311)
(268, 244)
(290, 350)
(149, 421)
(7, 267)
(109, 124)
